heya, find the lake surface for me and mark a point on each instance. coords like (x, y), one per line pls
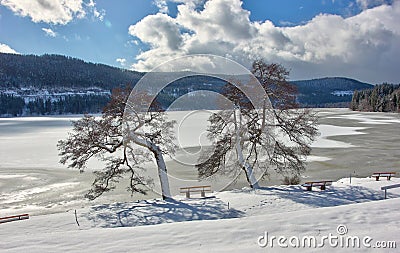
(32, 180)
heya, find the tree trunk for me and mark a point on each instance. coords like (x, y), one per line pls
(161, 167)
(248, 170)
(162, 172)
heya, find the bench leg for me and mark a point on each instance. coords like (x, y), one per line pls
(323, 187)
(203, 194)
(308, 188)
(188, 195)
(377, 178)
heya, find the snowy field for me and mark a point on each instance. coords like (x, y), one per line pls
(232, 221)
(351, 143)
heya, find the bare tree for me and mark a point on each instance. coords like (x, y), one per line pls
(122, 141)
(258, 142)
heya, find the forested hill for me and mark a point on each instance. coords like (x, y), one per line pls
(332, 84)
(53, 71)
(55, 84)
(382, 98)
(330, 91)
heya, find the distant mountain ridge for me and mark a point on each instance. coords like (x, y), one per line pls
(52, 71)
(52, 78)
(332, 83)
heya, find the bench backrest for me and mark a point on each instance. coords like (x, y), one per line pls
(317, 183)
(384, 173)
(203, 187)
(192, 187)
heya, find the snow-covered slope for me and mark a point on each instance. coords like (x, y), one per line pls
(358, 209)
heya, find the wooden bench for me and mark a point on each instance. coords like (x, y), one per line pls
(321, 184)
(195, 189)
(388, 175)
(14, 218)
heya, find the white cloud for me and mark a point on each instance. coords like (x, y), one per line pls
(97, 14)
(161, 5)
(159, 30)
(52, 11)
(49, 32)
(91, 3)
(365, 46)
(48, 11)
(121, 61)
(7, 49)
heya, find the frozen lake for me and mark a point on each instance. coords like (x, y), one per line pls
(32, 180)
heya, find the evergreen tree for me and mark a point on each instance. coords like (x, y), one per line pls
(382, 98)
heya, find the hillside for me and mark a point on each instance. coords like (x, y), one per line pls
(57, 71)
(46, 85)
(331, 90)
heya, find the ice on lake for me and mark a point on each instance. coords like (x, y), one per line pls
(31, 179)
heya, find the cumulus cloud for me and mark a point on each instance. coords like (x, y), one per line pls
(7, 49)
(159, 30)
(48, 11)
(49, 32)
(52, 11)
(365, 46)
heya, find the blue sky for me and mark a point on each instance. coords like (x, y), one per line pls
(313, 38)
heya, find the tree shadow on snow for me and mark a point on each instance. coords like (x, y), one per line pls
(151, 212)
(332, 196)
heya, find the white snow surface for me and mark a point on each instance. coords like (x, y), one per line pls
(207, 225)
(370, 118)
(32, 181)
(329, 131)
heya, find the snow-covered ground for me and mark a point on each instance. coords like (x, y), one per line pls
(32, 180)
(232, 221)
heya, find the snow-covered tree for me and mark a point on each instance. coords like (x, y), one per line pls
(257, 141)
(123, 140)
